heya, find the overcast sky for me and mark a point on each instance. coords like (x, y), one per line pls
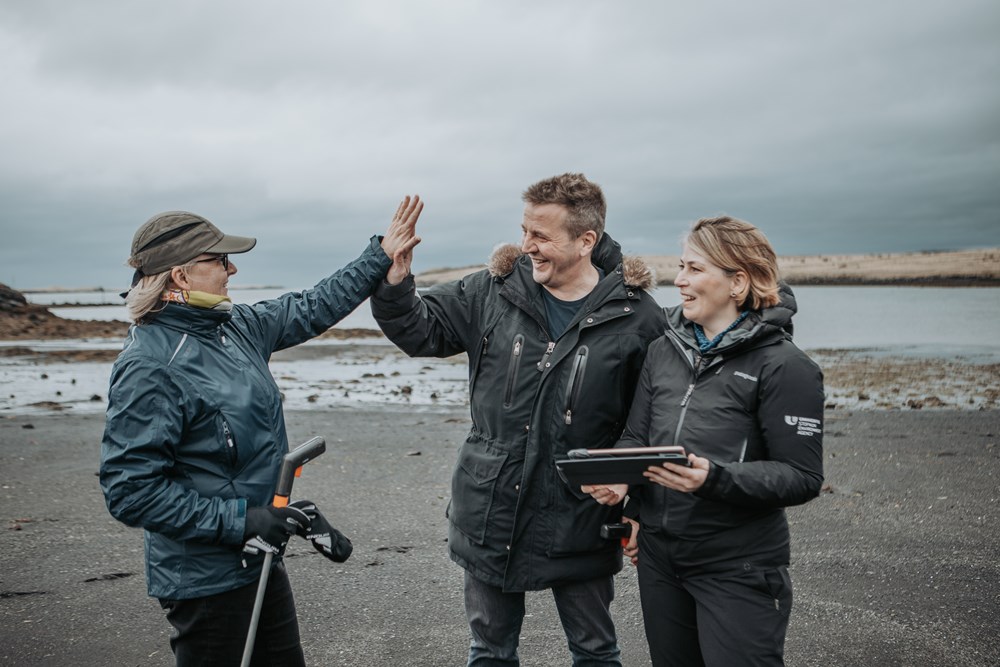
(848, 127)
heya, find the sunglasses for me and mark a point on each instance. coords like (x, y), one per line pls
(218, 258)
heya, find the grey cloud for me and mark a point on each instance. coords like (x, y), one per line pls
(855, 127)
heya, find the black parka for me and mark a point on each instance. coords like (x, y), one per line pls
(753, 406)
(513, 522)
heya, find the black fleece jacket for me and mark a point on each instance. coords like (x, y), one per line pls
(753, 406)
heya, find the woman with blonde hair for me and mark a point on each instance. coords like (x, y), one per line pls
(195, 432)
(726, 383)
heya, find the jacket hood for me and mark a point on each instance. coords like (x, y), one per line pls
(607, 256)
(777, 318)
(781, 314)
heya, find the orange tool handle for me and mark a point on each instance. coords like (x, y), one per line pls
(291, 467)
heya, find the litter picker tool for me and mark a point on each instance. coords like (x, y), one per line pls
(291, 467)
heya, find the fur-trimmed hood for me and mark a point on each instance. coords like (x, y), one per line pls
(635, 271)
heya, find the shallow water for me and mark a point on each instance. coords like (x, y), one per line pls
(829, 317)
(319, 374)
(948, 328)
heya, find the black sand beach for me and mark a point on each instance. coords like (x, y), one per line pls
(894, 564)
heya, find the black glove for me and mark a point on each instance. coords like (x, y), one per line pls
(325, 538)
(268, 528)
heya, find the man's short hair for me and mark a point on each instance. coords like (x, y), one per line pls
(583, 200)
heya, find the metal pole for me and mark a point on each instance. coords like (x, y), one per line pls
(291, 467)
(258, 604)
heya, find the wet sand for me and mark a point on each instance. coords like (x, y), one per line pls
(894, 564)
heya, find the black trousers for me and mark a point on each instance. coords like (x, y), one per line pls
(213, 630)
(719, 620)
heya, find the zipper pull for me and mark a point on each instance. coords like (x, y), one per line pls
(545, 357)
(687, 395)
(517, 348)
(228, 435)
(486, 341)
(569, 417)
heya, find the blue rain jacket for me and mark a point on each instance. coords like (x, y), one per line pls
(195, 431)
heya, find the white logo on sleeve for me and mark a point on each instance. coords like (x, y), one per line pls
(805, 425)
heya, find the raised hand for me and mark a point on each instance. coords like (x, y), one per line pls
(401, 238)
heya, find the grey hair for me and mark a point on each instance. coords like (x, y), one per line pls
(146, 296)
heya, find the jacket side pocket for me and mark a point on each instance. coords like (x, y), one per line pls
(472, 487)
(576, 528)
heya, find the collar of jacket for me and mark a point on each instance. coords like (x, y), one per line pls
(760, 327)
(607, 256)
(196, 321)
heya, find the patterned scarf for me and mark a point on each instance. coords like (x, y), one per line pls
(198, 299)
(704, 344)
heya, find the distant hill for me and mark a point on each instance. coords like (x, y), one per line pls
(959, 268)
(20, 320)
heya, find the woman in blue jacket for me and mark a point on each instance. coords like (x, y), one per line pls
(726, 383)
(195, 432)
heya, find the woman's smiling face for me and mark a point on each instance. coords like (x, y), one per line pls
(207, 273)
(706, 292)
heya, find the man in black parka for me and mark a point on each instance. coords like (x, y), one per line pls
(556, 333)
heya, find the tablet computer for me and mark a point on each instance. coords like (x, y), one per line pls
(616, 466)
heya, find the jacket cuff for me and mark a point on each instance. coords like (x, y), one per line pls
(237, 526)
(384, 290)
(714, 472)
(375, 246)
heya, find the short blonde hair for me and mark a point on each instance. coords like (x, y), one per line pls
(736, 245)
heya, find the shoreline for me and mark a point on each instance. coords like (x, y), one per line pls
(55, 376)
(957, 282)
(977, 267)
(51, 364)
(954, 268)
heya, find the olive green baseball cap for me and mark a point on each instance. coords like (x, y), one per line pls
(174, 238)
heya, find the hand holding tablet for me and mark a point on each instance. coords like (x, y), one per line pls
(616, 466)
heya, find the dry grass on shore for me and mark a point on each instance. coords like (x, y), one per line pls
(954, 268)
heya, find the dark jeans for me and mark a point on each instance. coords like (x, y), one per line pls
(495, 620)
(737, 618)
(213, 630)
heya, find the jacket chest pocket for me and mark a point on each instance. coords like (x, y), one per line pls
(501, 379)
(516, 351)
(226, 438)
(574, 385)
